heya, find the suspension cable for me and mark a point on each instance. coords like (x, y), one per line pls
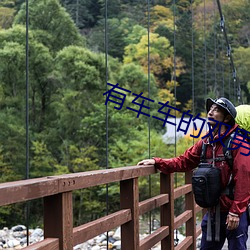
(229, 83)
(175, 94)
(107, 121)
(192, 73)
(77, 13)
(174, 74)
(221, 68)
(215, 53)
(27, 207)
(229, 53)
(149, 124)
(205, 51)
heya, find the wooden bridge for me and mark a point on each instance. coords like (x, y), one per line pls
(56, 192)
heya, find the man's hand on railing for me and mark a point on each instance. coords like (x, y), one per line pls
(146, 162)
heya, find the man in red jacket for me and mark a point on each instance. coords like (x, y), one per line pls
(233, 211)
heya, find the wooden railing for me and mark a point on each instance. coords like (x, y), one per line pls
(59, 232)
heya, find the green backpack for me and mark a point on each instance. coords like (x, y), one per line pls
(243, 119)
(243, 116)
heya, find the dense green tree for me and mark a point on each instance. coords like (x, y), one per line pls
(117, 32)
(242, 63)
(237, 21)
(69, 121)
(42, 162)
(85, 13)
(12, 104)
(12, 72)
(136, 34)
(53, 25)
(40, 60)
(12, 149)
(40, 67)
(132, 9)
(161, 58)
(133, 78)
(79, 72)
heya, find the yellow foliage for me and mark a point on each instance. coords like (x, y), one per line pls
(194, 133)
(6, 17)
(188, 106)
(165, 95)
(160, 12)
(172, 84)
(161, 15)
(160, 53)
(179, 66)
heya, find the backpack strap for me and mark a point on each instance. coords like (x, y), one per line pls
(203, 158)
(227, 152)
(209, 225)
(229, 159)
(217, 207)
(217, 223)
(203, 152)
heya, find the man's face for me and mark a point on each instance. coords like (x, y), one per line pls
(215, 113)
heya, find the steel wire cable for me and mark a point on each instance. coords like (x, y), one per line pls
(230, 56)
(149, 123)
(205, 49)
(175, 95)
(27, 204)
(192, 70)
(215, 51)
(106, 118)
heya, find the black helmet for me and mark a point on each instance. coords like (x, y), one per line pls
(223, 103)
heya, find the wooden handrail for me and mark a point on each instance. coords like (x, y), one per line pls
(58, 208)
(24, 190)
(90, 230)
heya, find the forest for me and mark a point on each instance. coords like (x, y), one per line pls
(59, 59)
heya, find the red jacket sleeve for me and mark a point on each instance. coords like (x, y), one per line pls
(185, 162)
(241, 173)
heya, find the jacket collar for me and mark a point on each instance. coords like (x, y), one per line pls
(223, 135)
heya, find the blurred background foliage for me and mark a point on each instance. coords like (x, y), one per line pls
(75, 48)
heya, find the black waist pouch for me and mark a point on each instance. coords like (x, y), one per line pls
(206, 183)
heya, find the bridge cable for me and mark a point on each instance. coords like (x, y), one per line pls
(77, 13)
(192, 74)
(27, 204)
(205, 49)
(192, 70)
(229, 83)
(229, 54)
(149, 123)
(215, 52)
(174, 73)
(175, 95)
(107, 121)
(222, 68)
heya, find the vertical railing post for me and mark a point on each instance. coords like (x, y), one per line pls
(167, 210)
(129, 198)
(58, 219)
(190, 205)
